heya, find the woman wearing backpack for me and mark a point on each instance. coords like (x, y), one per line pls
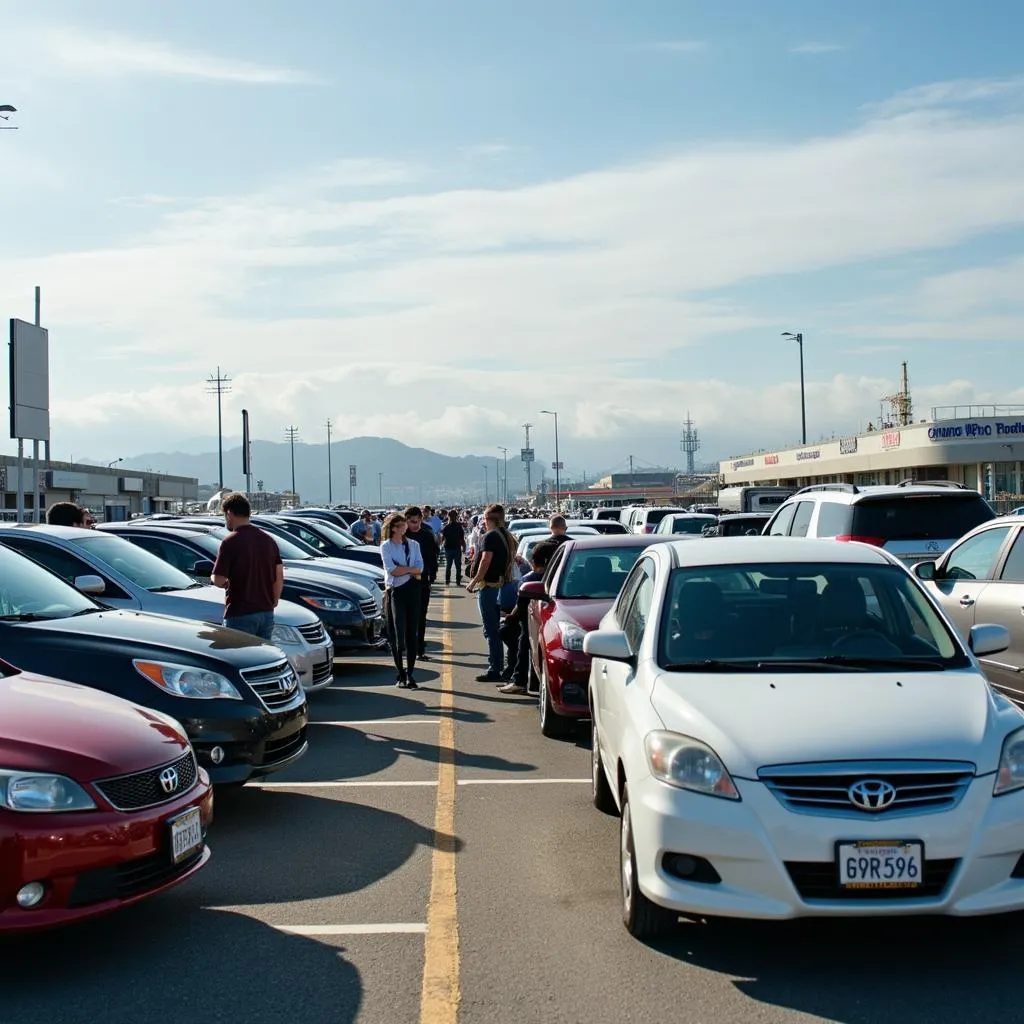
(403, 564)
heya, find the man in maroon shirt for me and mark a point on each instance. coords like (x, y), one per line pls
(249, 567)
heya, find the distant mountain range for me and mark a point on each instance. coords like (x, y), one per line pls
(408, 473)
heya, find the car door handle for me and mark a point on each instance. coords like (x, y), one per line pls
(604, 668)
(966, 602)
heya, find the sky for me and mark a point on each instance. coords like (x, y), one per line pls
(432, 219)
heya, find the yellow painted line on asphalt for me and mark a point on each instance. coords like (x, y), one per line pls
(439, 998)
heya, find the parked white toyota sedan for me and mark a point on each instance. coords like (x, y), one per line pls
(791, 728)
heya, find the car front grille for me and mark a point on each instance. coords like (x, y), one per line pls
(368, 608)
(281, 750)
(132, 878)
(818, 880)
(921, 787)
(276, 685)
(321, 673)
(149, 788)
(314, 633)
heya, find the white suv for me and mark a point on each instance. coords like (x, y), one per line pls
(913, 521)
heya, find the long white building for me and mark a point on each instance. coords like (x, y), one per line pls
(981, 447)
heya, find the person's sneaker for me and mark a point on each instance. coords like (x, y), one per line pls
(489, 677)
(412, 684)
(401, 682)
(512, 688)
(507, 675)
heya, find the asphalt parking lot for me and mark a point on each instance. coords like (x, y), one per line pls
(433, 854)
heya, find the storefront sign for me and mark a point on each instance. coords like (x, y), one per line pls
(771, 460)
(891, 439)
(814, 453)
(848, 446)
(742, 463)
(975, 429)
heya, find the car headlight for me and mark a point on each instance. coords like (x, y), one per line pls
(186, 680)
(42, 792)
(285, 635)
(572, 636)
(688, 764)
(331, 604)
(1010, 775)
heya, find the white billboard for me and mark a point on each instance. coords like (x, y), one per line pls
(30, 381)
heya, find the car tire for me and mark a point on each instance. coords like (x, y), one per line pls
(601, 791)
(552, 724)
(642, 918)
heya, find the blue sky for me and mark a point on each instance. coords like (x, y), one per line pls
(431, 220)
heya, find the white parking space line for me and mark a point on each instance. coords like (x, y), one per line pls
(520, 782)
(347, 783)
(384, 721)
(351, 929)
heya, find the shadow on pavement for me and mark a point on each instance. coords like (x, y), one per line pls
(910, 971)
(375, 704)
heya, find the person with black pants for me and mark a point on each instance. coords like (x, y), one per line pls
(403, 564)
(454, 537)
(423, 536)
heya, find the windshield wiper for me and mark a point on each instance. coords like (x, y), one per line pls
(88, 611)
(843, 661)
(713, 665)
(26, 617)
(168, 589)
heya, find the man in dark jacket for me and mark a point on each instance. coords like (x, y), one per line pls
(515, 630)
(424, 536)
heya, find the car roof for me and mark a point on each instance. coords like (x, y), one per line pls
(730, 516)
(691, 515)
(166, 526)
(740, 550)
(616, 540)
(57, 532)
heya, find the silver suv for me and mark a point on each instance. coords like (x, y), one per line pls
(913, 521)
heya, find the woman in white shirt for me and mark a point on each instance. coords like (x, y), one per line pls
(403, 565)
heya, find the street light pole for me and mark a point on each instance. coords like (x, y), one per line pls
(504, 475)
(330, 488)
(799, 339)
(380, 489)
(486, 485)
(558, 464)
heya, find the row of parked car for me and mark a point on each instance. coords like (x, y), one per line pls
(123, 700)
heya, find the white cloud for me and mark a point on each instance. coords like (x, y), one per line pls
(112, 55)
(679, 45)
(816, 48)
(958, 92)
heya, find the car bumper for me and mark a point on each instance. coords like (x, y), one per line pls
(93, 862)
(354, 632)
(770, 859)
(253, 743)
(569, 683)
(313, 663)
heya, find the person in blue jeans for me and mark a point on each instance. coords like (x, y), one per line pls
(496, 552)
(515, 629)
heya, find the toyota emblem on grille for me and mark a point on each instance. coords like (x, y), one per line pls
(872, 794)
(168, 780)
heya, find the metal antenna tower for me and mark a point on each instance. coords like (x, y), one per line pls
(529, 488)
(900, 405)
(219, 386)
(291, 435)
(690, 444)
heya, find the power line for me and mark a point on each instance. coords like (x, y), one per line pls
(219, 385)
(291, 435)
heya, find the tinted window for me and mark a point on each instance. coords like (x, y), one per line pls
(780, 525)
(744, 527)
(920, 516)
(1013, 571)
(802, 519)
(57, 560)
(833, 520)
(695, 525)
(142, 568)
(639, 610)
(975, 558)
(655, 516)
(597, 572)
(27, 589)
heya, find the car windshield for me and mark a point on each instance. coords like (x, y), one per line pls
(596, 572)
(694, 524)
(335, 534)
(920, 516)
(143, 569)
(802, 616)
(28, 591)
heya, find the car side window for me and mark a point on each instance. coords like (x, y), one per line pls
(556, 561)
(626, 594)
(178, 555)
(639, 610)
(975, 558)
(780, 524)
(57, 560)
(801, 519)
(1013, 570)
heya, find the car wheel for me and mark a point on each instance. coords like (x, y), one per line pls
(642, 918)
(552, 724)
(604, 799)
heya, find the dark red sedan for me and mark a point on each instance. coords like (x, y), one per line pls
(101, 802)
(580, 585)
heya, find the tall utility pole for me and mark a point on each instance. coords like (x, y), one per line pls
(504, 475)
(219, 386)
(690, 445)
(380, 489)
(799, 339)
(631, 471)
(291, 435)
(558, 464)
(330, 490)
(529, 489)
(486, 485)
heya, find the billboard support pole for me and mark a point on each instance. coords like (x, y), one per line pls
(21, 480)
(36, 489)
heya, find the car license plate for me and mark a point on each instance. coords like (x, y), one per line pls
(186, 834)
(880, 864)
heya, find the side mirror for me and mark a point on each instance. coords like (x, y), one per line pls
(535, 591)
(609, 644)
(988, 639)
(90, 584)
(926, 570)
(203, 568)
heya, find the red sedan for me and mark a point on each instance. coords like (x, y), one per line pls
(101, 803)
(580, 585)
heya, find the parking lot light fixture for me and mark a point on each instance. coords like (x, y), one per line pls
(558, 464)
(799, 339)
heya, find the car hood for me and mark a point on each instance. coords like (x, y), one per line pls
(359, 572)
(208, 605)
(325, 584)
(52, 725)
(759, 719)
(586, 611)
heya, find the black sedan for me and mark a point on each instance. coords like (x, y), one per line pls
(239, 700)
(325, 537)
(350, 613)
